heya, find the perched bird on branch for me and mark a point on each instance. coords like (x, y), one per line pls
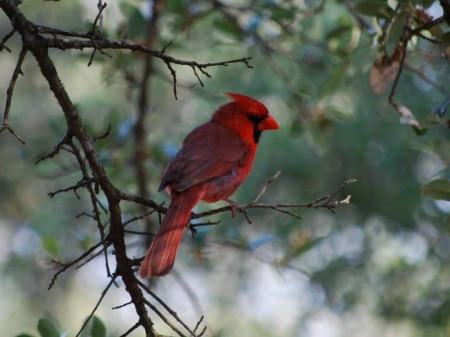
(213, 162)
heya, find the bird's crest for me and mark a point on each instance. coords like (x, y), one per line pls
(248, 103)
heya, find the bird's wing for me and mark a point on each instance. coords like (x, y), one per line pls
(209, 151)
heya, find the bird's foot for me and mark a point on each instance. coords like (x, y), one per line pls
(234, 206)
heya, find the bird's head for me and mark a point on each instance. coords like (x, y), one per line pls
(246, 116)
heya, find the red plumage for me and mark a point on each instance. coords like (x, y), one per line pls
(214, 160)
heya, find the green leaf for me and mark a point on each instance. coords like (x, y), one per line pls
(306, 246)
(339, 31)
(438, 189)
(227, 27)
(46, 328)
(98, 328)
(279, 14)
(299, 250)
(394, 33)
(137, 21)
(431, 120)
(296, 127)
(24, 335)
(379, 9)
(50, 244)
(334, 82)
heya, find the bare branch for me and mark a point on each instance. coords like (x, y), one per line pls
(428, 25)
(140, 217)
(168, 309)
(6, 38)
(193, 227)
(130, 330)
(188, 290)
(74, 188)
(9, 94)
(397, 77)
(99, 18)
(96, 306)
(163, 317)
(122, 305)
(64, 141)
(37, 45)
(326, 202)
(427, 79)
(66, 266)
(264, 188)
(85, 40)
(104, 135)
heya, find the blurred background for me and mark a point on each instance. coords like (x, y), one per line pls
(379, 266)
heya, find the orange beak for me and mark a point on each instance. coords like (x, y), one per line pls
(268, 124)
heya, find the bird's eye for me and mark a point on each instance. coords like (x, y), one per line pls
(256, 119)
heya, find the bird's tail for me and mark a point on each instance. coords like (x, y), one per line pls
(160, 256)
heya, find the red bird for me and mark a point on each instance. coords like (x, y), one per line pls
(214, 160)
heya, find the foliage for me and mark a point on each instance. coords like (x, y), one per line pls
(349, 82)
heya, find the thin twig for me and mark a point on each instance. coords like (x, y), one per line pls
(122, 305)
(130, 330)
(198, 325)
(94, 201)
(6, 38)
(193, 226)
(96, 305)
(98, 18)
(165, 306)
(139, 217)
(74, 188)
(104, 135)
(427, 79)
(264, 188)
(428, 25)
(397, 77)
(188, 290)
(326, 202)
(173, 73)
(64, 141)
(9, 95)
(164, 318)
(97, 33)
(66, 266)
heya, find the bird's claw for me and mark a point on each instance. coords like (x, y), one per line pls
(234, 206)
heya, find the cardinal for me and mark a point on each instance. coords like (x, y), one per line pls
(215, 159)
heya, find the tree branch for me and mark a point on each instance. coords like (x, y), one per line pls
(9, 93)
(37, 45)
